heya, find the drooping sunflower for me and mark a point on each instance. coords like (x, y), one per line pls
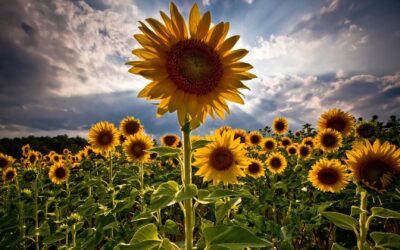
(193, 69)
(304, 151)
(276, 163)
(375, 165)
(255, 138)
(280, 125)
(291, 150)
(309, 141)
(58, 173)
(222, 160)
(170, 140)
(9, 174)
(328, 176)
(269, 144)
(338, 120)
(130, 126)
(6, 161)
(286, 141)
(136, 146)
(241, 134)
(328, 140)
(25, 149)
(103, 137)
(366, 130)
(255, 168)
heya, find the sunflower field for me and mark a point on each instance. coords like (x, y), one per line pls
(335, 186)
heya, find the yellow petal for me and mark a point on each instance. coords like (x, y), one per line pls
(234, 55)
(204, 26)
(194, 19)
(178, 23)
(227, 44)
(216, 35)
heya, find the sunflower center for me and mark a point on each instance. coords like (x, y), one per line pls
(254, 168)
(194, 67)
(132, 127)
(32, 159)
(221, 159)
(329, 140)
(104, 138)
(365, 130)
(275, 163)
(3, 162)
(374, 170)
(56, 158)
(169, 140)
(292, 151)
(269, 145)
(336, 123)
(255, 139)
(137, 149)
(279, 126)
(304, 151)
(309, 143)
(328, 176)
(285, 142)
(60, 173)
(10, 175)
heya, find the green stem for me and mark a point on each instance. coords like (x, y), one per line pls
(189, 216)
(141, 170)
(363, 220)
(73, 235)
(36, 191)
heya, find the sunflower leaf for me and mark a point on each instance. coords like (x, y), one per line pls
(199, 144)
(341, 220)
(386, 240)
(385, 213)
(336, 246)
(165, 151)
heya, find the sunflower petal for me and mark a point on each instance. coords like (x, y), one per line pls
(194, 19)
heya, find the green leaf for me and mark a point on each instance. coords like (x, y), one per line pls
(385, 213)
(53, 238)
(205, 198)
(188, 194)
(145, 233)
(164, 195)
(199, 144)
(336, 246)
(355, 211)
(386, 240)
(280, 185)
(171, 227)
(341, 220)
(222, 208)
(232, 237)
(165, 151)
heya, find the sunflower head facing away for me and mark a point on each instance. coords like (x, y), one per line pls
(338, 120)
(192, 68)
(329, 140)
(170, 140)
(269, 144)
(222, 160)
(280, 125)
(366, 130)
(328, 176)
(130, 126)
(255, 168)
(276, 163)
(375, 165)
(255, 138)
(136, 146)
(58, 173)
(5, 161)
(103, 137)
(241, 134)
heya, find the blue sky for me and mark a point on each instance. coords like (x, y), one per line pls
(62, 62)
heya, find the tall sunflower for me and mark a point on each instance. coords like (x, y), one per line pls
(338, 120)
(136, 146)
(280, 125)
(328, 175)
(170, 140)
(58, 173)
(130, 126)
(5, 161)
(375, 165)
(269, 144)
(103, 137)
(9, 174)
(241, 134)
(255, 138)
(276, 163)
(255, 168)
(222, 160)
(329, 140)
(193, 70)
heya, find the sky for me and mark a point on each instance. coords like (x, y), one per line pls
(62, 62)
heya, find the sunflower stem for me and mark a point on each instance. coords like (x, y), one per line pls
(363, 220)
(188, 213)
(141, 169)
(35, 211)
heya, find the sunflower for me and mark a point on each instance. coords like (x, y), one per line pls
(329, 140)
(255, 168)
(66, 151)
(309, 141)
(366, 130)
(58, 173)
(223, 129)
(374, 165)
(193, 70)
(297, 133)
(304, 151)
(103, 137)
(328, 176)
(338, 120)
(221, 160)
(286, 141)
(32, 157)
(5, 161)
(9, 174)
(280, 125)
(25, 149)
(89, 151)
(255, 138)
(276, 163)
(269, 144)
(29, 174)
(136, 147)
(194, 138)
(56, 158)
(170, 140)
(240, 133)
(291, 150)
(130, 126)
